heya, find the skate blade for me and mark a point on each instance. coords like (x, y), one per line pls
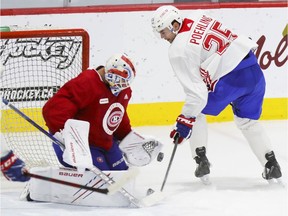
(205, 180)
(277, 181)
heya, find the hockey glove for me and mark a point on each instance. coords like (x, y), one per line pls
(183, 128)
(13, 167)
(139, 150)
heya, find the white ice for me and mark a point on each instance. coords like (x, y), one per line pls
(237, 187)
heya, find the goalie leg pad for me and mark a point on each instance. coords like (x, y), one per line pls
(139, 151)
(57, 193)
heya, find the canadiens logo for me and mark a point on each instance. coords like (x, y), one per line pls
(113, 118)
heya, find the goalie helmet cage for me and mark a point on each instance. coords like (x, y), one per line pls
(34, 65)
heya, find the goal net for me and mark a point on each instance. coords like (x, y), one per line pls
(34, 65)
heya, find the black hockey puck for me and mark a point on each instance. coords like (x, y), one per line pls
(160, 156)
(149, 191)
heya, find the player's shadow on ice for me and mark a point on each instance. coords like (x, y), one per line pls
(228, 183)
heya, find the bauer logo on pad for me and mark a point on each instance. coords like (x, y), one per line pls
(104, 101)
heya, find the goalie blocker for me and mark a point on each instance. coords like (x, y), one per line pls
(140, 151)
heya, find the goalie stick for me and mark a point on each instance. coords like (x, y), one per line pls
(113, 186)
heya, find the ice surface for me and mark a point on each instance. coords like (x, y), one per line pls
(237, 187)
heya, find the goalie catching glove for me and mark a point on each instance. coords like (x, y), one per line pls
(139, 151)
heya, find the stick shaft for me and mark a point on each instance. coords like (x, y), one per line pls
(32, 122)
(170, 162)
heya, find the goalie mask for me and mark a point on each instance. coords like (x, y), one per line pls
(119, 72)
(164, 17)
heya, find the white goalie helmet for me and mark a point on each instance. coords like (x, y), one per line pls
(164, 16)
(119, 72)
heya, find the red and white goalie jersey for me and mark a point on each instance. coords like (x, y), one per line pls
(204, 50)
(87, 98)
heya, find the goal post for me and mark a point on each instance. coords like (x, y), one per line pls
(34, 65)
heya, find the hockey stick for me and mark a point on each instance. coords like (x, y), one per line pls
(171, 159)
(113, 185)
(58, 181)
(32, 122)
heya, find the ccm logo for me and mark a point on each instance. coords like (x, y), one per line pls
(78, 175)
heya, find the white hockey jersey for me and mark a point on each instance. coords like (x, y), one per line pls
(203, 51)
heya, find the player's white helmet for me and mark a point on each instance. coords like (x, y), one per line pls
(119, 72)
(164, 16)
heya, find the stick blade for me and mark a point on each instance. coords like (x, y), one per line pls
(152, 199)
(126, 177)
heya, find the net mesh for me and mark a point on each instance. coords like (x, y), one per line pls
(34, 65)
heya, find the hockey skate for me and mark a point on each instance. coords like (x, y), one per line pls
(272, 170)
(203, 169)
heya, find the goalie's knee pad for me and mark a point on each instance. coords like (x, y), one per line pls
(139, 151)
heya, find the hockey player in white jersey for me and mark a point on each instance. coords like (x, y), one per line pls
(216, 68)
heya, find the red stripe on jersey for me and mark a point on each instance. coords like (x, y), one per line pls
(186, 25)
